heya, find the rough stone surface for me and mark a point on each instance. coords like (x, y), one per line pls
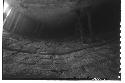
(28, 59)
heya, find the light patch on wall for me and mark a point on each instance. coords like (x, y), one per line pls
(6, 6)
(7, 10)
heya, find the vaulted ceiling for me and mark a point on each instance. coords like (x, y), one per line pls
(58, 14)
(41, 9)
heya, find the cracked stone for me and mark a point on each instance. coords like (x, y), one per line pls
(45, 62)
(47, 67)
(45, 56)
(59, 61)
(70, 58)
(30, 60)
(36, 71)
(21, 56)
(57, 57)
(29, 48)
(8, 59)
(62, 66)
(46, 50)
(8, 41)
(7, 53)
(16, 46)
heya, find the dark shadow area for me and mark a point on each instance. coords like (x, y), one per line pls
(53, 33)
(107, 18)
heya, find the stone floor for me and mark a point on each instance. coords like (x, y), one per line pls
(25, 58)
